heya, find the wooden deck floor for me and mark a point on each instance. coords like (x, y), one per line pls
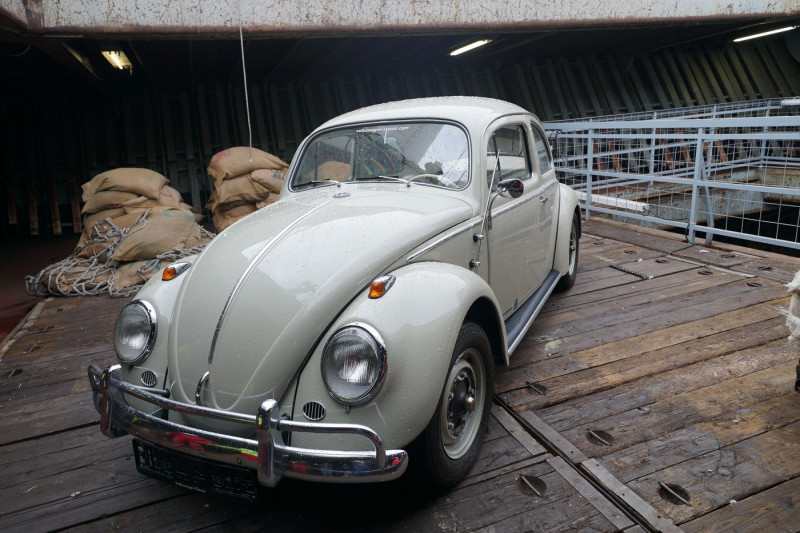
(666, 366)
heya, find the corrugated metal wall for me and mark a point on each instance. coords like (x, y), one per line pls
(53, 139)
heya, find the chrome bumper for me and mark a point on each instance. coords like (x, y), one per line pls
(270, 459)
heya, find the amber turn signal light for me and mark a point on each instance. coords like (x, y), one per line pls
(173, 271)
(380, 286)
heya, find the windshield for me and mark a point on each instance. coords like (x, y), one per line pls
(415, 152)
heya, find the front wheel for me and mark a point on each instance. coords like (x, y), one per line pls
(449, 445)
(568, 279)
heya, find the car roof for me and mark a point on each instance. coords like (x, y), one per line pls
(472, 111)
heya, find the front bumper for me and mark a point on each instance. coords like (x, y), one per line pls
(270, 459)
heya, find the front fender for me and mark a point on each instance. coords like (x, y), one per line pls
(568, 204)
(162, 295)
(418, 320)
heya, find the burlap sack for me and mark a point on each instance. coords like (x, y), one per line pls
(225, 217)
(271, 199)
(168, 197)
(240, 189)
(141, 181)
(333, 170)
(72, 278)
(171, 229)
(272, 180)
(90, 220)
(105, 200)
(241, 160)
(135, 272)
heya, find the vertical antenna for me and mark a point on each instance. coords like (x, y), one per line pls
(246, 99)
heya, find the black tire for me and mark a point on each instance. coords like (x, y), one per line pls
(449, 445)
(568, 279)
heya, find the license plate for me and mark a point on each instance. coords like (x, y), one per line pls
(194, 473)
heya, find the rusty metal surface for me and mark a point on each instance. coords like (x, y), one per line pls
(301, 16)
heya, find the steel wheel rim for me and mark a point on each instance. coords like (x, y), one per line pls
(573, 247)
(458, 423)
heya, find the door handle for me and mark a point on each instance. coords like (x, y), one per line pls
(543, 199)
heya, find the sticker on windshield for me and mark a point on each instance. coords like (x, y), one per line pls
(382, 129)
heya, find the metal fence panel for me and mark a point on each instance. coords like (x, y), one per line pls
(728, 170)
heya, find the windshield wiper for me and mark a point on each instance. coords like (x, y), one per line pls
(319, 182)
(380, 177)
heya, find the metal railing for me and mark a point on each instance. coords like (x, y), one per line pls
(729, 170)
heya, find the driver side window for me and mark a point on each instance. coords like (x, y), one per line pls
(507, 155)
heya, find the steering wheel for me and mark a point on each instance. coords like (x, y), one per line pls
(435, 179)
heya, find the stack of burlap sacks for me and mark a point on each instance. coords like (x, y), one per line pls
(130, 217)
(245, 180)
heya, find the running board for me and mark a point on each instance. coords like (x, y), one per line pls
(520, 322)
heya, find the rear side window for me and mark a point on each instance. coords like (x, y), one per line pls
(542, 150)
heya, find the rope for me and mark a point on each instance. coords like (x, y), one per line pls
(246, 98)
(85, 276)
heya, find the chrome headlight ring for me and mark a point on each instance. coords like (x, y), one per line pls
(353, 364)
(135, 332)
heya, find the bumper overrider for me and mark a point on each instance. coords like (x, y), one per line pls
(270, 459)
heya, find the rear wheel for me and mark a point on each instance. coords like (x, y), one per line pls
(449, 445)
(568, 279)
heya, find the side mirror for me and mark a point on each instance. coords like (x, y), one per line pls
(513, 187)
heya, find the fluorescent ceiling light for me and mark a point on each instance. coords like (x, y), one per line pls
(471, 46)
(118, 59)
(764, 34)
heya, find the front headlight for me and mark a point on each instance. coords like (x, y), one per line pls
(135, 332)
(354, 364)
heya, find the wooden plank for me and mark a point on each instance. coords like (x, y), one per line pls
(149, 129)
(731, 473)
(776, 509)
(222, 117)
(55, 213)
(203, 119)
(33, 208)
(696, 439)
(607, 327)
(129, 129)
(276, 121)
(615, 364)
(11, 202)
(633, 416)
(75, 204)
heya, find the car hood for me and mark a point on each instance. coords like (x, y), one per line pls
(257, 300)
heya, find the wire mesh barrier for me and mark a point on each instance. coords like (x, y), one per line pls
(729, 170)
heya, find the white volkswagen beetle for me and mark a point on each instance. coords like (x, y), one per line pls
(358, 317)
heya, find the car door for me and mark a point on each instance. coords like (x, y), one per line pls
(547, 192)
(515, 266)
